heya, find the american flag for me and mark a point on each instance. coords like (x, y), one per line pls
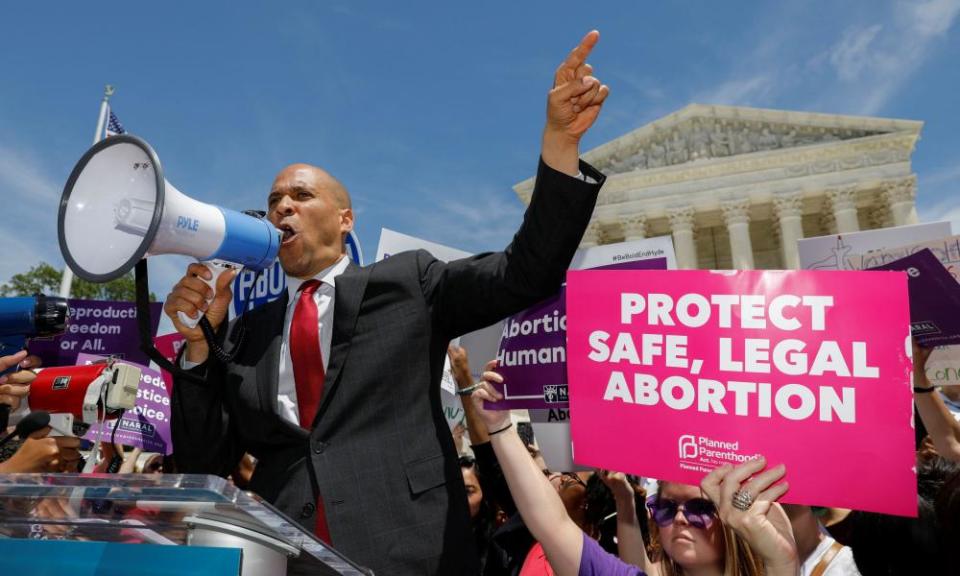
(114, 126)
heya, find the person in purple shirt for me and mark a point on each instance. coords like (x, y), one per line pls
(743, 497)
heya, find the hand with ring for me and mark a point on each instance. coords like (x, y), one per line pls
(745, 497)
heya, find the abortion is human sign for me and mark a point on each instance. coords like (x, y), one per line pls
(675, 373)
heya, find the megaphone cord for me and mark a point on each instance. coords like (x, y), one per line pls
(146, 338)
(145, 328)
(215, 347)
(239, 331)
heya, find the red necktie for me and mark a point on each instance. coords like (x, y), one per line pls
(306, 354)
(308, 374)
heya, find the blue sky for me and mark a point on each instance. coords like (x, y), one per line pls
(430, 111)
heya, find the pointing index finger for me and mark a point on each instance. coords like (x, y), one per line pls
(579, 54)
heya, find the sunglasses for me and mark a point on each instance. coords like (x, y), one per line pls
(699, 512)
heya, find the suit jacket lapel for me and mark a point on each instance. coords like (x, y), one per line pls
(347, 298)
(267, 368)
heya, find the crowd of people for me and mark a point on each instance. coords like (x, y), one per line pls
(530, 520)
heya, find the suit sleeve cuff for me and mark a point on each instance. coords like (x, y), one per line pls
(588, 175)
(187, 365)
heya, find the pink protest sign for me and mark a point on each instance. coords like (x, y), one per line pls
(675, 373)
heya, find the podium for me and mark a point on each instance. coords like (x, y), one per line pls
(151, 524)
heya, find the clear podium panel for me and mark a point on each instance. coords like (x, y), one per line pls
(167, 509)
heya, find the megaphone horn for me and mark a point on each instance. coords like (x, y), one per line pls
(117, 208)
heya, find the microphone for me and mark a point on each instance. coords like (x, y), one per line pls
(30, 423)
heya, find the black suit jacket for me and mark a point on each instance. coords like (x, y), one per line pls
(379, 453)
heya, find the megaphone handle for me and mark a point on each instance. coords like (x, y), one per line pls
(216, 268)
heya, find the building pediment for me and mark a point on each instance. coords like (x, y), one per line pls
(698, 133)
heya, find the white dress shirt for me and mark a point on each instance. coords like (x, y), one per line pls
(324, 298)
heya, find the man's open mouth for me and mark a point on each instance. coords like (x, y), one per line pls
(289, 234)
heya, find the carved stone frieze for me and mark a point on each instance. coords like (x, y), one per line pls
(797, 164)
(703, 138)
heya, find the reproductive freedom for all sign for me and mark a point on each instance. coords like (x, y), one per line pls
(675, 373)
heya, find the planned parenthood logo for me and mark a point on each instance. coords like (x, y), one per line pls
(703, 454)
(688, 447)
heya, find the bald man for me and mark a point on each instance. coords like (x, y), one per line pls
(336, 389)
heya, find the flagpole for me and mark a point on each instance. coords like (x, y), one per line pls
(66, 281)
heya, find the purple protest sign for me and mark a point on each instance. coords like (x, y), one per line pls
(934, 298)
(147, 426)
(533, 349)
(97, 327)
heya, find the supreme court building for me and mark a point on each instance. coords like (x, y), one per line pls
(737, 187)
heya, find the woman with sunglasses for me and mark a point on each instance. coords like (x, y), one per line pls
(743, 498)
(691, 542)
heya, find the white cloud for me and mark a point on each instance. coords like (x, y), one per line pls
(750, 91)
(858, 72)
(948, 174)
(472, 217)
(931, 18)
(873, 61)
(938, 195)
(22, 175)
(852, 54)
(943, 211)
(28, 231)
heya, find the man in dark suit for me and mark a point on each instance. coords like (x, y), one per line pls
(336, 390)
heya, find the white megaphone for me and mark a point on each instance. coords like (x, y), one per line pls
(117, 208)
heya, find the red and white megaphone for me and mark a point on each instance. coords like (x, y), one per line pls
(79, 396)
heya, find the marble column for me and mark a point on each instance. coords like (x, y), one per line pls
(736, 215)
(843, 202)
(634, 227)
(681, 224)
(788, 209)
(899, 196)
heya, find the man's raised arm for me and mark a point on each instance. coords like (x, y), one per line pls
(474, 292)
